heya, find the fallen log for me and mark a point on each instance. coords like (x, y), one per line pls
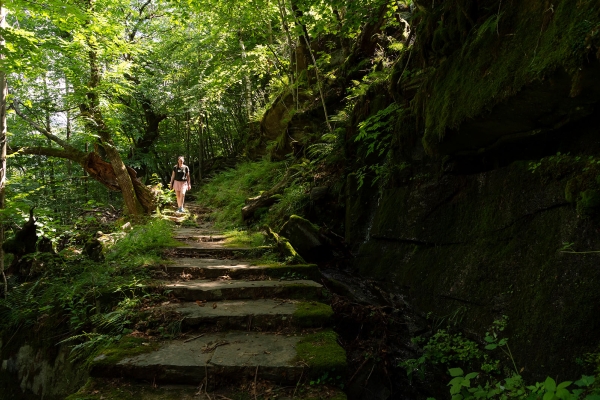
(266, 198)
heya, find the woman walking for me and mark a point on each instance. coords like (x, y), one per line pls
(180, 182)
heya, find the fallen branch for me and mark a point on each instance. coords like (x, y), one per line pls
(194, 338)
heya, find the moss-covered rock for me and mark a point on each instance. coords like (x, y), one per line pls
(128, 346)
(285, 248)
(306, 239)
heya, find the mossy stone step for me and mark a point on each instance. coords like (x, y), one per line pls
(221, 358)
(234, 290)
(263, 314)
(210, 268)
(199, 236)
(216, 250)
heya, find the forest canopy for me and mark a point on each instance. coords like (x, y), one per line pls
(114, 90)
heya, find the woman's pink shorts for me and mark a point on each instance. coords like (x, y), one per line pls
(180, 186)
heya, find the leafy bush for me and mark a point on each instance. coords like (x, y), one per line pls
(142, 241)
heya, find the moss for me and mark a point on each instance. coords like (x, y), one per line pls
(528, 43)
(286, 249)
(321, 352)
(128, 346)
(238, 238)
(312, 314)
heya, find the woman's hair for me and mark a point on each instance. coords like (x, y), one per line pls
(180, 158)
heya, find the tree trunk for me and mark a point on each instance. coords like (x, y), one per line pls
(247, 81)
(200, 146)
(95, 123)
(3, 146)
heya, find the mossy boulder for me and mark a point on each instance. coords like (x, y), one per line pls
(306, 239)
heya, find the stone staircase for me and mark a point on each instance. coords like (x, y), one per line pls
(248, 332)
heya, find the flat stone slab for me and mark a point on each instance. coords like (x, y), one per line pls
(235, 308)
(219, 356)
(199, 237)
(210, 268)
(238, 314)
(215, 250)
(233, 290)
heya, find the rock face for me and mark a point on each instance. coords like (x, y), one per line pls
(481, 245)
(34, 374)
(493, 173)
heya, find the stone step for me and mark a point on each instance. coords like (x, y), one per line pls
(199, 235)
(210, 268)
(104, 389)
(265, 314)
(216, 250)
(234, 290)
(221, 358)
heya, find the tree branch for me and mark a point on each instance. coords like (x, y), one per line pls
(71, 154)
(41, 129)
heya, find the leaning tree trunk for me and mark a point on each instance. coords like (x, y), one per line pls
(105, 173)
(96, 123)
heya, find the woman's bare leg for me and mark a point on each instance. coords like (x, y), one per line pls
(179, 199)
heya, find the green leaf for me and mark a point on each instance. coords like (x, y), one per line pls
(564, 384)
(455, 389)
(550, 384)
(455, 372)
(456, 381)
(548, 396)
(563, 394)
(491, 346)
(471, 375)
(585, 381)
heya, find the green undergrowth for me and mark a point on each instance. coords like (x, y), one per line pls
(324, 356)
(497, 374)
(89, 304)
(313, 314)
(227, 192)
(143, 244)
